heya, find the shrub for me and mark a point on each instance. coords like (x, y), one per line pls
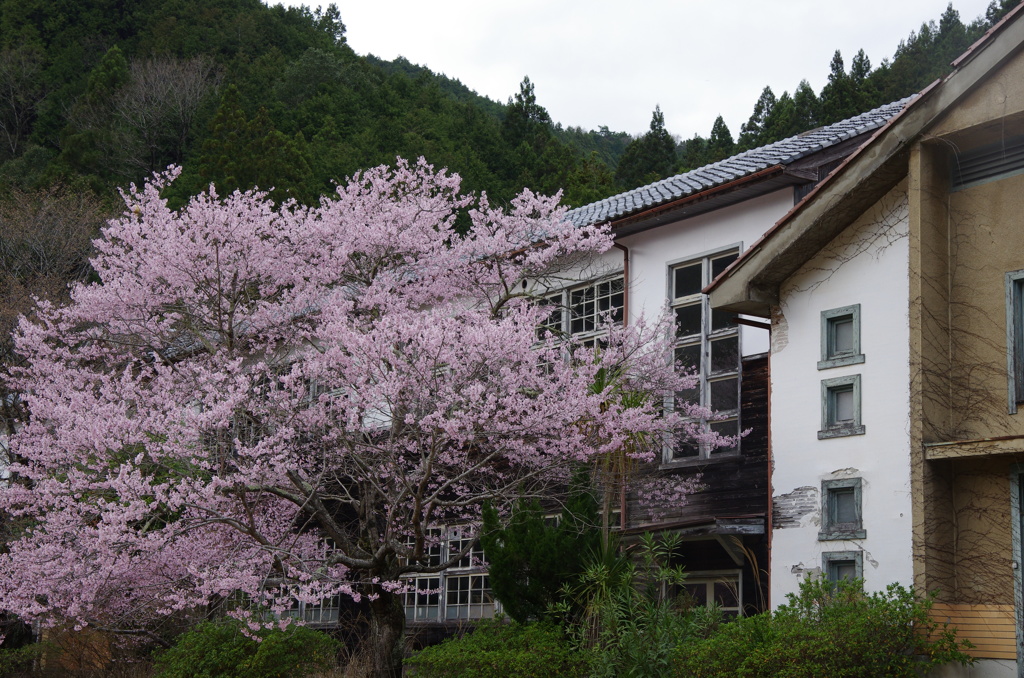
(530, 559)
(830, 630)
(629, 622)
(221, 650)
(18, 661)
(499, 649)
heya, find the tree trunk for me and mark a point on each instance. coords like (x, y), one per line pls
(384, 645)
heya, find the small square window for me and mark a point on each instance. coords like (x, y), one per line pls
(1015, 338)
(840, 337)
(840, 407)
(841, 510)
(839, 565)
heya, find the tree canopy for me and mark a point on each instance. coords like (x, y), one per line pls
(270, 401)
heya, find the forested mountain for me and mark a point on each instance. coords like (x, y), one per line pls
(104, 92)
(99, 93)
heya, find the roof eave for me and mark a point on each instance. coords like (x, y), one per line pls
(652, 217)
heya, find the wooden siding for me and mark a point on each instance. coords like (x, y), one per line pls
(733, 501)
(990, 628)
(733, 485)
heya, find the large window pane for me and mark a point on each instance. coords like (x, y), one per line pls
(688, 320)
(724, 395)
(725, 355)
(688, 357)
(721, 263)
(842, 336)
(842, 569)
(688, 280)
(725, 594)
(722, 320)
(728, 427)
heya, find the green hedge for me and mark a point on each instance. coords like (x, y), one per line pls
(828, 631)
(221, 650)
(499, 649)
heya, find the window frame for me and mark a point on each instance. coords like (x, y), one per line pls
(561, 301)
(830, 357)
(831, 528)
(435, 605)
(1014, 340)
(830, 426)
(423, 597)
(709, 578)
(325, 612)
(704, 340)
(455, 541)
(830, 559)
(487, 606)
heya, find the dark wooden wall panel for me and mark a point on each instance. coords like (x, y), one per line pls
(732, 485)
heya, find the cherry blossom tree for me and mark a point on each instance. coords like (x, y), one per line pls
(276, 403)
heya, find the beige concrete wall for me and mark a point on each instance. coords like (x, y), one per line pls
(973, 542)
(962, 244)
(986, 236)
(997, 101)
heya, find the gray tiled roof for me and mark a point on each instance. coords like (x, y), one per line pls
(701, 179)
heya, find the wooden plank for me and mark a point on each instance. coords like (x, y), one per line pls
(991, 628)
(966, 607)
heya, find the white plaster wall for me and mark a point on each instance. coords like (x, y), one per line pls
(872, 272)
(651, 252)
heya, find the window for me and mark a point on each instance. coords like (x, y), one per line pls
(840, 337)
(840, 407)
(457, 542)
(324, 612)
(841, 510)
(461, 592)
(423, 602)
(722, 589)
(468, 596)
(839, 565)
(433, 547)
(1015, 338)
(707, 340)
(580, 311)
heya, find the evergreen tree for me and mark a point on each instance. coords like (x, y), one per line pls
(806, 109)
(864, 95)
(88, 139)
(590, 181)
(782, 122)
(525, 119)
(952, 39)
(837, 97)
(530, 559)
(693, 153)
(648, 158)
(241, 154)
(720, 143)
(752, 130)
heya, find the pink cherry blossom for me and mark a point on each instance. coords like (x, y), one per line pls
(277, 402)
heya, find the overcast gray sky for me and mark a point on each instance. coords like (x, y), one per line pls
(609, 62)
